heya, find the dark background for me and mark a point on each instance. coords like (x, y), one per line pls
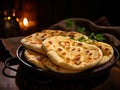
(48, 12)
(51, 11)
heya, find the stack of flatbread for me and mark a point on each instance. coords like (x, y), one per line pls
(57, 51)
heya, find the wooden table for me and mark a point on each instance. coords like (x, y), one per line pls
(5, 82)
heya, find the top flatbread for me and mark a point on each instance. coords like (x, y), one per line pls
(34, 41)
(71, 54)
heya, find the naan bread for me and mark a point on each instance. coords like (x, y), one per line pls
(76, 35)
(58, 69)
(43, 62)
(107, 51)
(106, 48)
(70, 54)
(36, 59)
(34, 41)
(79, 37)
(64, 52)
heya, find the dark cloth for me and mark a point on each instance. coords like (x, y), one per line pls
(10, 45)
(112, 34)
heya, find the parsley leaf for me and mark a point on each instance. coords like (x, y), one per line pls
(79, 29)
(69, 22)
(98, 37)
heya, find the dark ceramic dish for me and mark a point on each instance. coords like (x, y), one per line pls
(90, 73)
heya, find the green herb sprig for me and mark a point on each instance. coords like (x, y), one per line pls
(98, 37)
(70, 23)
(79, 29)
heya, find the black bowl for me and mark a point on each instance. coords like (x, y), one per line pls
(89, 73)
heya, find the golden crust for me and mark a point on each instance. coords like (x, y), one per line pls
(43, 62)
(34, 41)
(36, 59)
(107, 51)
(71, 54)
(58, 69)
(76, 35)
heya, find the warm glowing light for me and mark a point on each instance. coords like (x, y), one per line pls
(25, 22)
(13, 14)
(17, 19)
(8, 17)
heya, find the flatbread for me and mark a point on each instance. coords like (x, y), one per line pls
(36, 59)
(107, 51)
(64, 52)
(58, 69)
(79, 37)
(76, 35)
(34, 41)
(43, 62)
(70, 54)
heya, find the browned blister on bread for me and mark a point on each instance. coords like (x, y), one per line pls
(36, 59)
(71, 54)
(34, 41)
(107, 51)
